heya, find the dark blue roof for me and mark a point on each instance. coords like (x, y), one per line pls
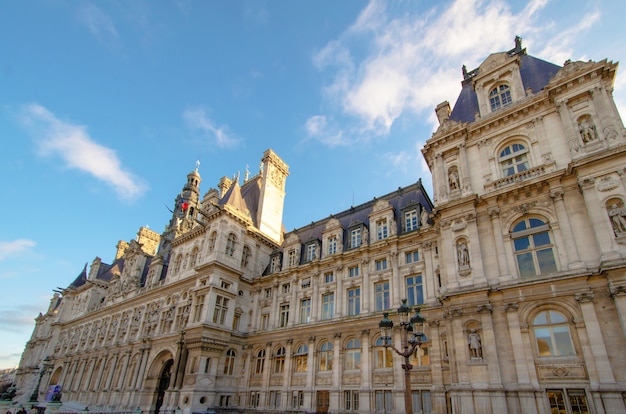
(535, 74)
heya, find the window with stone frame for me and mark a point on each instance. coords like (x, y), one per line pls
(230, 244)
(552, 334)
(383, 356)
(328, 306)
(332, 245)
(292, 258)
(354, 301)
(245, 256)
(301, 358)
(533, 247)
(311, 251)
(229, 362)
(567, 401)
(221, 309)
(352, 354)
(279, 360)
(284, 315)
(411, 220)
(325, 356)
(414, 290)
(305, 310)
(353, 271)
(500, 96)
(420, 357)
(356, 239)
(382, 229)
(381, 296)
(513, 159)
(259, 362)
(212, 240)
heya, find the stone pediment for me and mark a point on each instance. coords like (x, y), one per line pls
(571, 67)
(494, 61)
(332, 224)
(381, 205)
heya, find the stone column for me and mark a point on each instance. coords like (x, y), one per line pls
(103, 362)
(503, 267)
(573, 259)
(397, 285)
(111, 372)
(366, 369)
(602, 229)
(315, 299)
(310, 368)
(288, 365)
(465, 179)
(429, 279)
(366, 298)
(90, 373)
(459, 342)
(438, 395)
(120, 382)
(595, 337)
(293, 314)
(618, 293)
(145, 351)
(339, 293)
(274, 312)
(337, 366)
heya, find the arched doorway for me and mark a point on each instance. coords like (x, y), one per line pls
(163, 384)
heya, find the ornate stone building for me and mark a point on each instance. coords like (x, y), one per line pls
(520, 265)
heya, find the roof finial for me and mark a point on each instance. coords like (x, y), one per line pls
(246, 175)
(518, 43)
(197, 165)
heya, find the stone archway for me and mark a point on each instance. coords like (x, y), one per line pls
(163, 384)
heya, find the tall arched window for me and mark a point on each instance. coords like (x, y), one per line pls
(194, 257)
(229, 363)
(534, 250)
(326, 356)
(552, 334)
(279, 360)
(212, 239)
(513, 159)
(353, 354)
(500, 96)
(301, 358)
(259, 362)
(245, 256)
(384, 356)
(230, 244)
(177, 263)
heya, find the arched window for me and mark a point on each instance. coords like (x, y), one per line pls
(534, 250)
(245, 256)
(259, 362)
(230, 244)
(552, 334)
(194, 257)
(353, 354)
(384, 356)
(229, 363)
(301, 358)
(500, 96)
(326, 356)
(420, 357)
(212, 239)
(177, 263)
(513, 159)
(279, 360)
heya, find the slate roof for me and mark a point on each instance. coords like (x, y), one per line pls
(398, 199)
(535, 74)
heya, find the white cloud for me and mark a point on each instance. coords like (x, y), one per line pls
(98, 23)
(15, 247)
(79, 151)
(198, 120)
(413, 58)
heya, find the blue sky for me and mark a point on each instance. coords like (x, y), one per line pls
(105, 106)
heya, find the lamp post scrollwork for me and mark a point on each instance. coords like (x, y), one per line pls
(412, 336)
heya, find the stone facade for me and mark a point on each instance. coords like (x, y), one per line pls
(519, 266)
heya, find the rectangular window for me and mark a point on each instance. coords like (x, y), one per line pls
(381, 229)
(351, 400)
(310, 252)
(355, 238)
(381, 293)
(197, 315)
(265, 321)
(410, 220)
(224, 284)
(414, 290)
(268, 293)
(329, 277)
(305, 310)
(306, 283)
(354, 301)
(328, 306)
(224, 400)
(381, 264)
(411, 257)
(297, 400)
(561, 400)
(383, 401)
(255, 398)
(275, 264)
(275, 399)
(332, 245)
(284, 315)
(292, 259)
(353, 271)
(422, 402)
(221, 308)
(286, 288)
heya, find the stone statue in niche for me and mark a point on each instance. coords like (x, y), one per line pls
(462, 254)
(618, 219)
(453, 180)
(475, 345)
(587, 130)
(424, 218)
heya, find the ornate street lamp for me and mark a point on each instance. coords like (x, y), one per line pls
(412, 336)
(45, 365)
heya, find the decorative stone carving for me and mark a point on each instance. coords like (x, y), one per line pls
(617, 215)
(462, 254)
(475, 345)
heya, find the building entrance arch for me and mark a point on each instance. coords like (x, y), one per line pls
(163, 384)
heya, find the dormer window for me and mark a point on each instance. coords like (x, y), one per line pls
(332, 245)
(382, 231)
(355, 238)
(499, 97)
(311, 252)
(513, 159)
(275, 263)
